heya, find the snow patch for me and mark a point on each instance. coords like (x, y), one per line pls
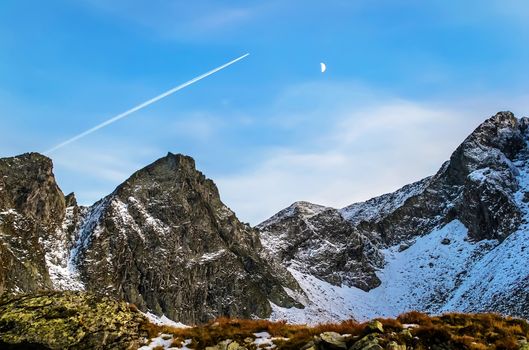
(57, 255)
(263, 340)
(417, 278)
(163, 340)
(164, 321)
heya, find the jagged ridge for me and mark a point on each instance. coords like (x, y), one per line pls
(453, 241)
(162, 240)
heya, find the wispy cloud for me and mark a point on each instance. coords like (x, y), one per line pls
(222, 18)
(368, 148)
(94, 172)
(197, 125)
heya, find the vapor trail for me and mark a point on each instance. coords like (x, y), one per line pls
(143, 105)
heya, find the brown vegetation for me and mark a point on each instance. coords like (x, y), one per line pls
(416, 330)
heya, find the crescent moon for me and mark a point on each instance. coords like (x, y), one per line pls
(323, 67)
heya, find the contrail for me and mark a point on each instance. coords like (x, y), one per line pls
(143, 105)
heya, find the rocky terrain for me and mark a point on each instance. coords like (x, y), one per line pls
(69, 320)
(32, 207)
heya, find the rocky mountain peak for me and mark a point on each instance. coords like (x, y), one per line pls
(70, 200)
(27, 185)
(300, 209)
(32, 209)
(165, 241)
(173, 174)
(318, 240)
(454, 240)
(494, 143)
(307, 208)
(173, 162)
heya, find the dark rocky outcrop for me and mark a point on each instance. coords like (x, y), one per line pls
(319, 241)
(32, 207)
(164, 241)
(476, 186)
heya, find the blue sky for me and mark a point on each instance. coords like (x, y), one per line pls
(406, 82)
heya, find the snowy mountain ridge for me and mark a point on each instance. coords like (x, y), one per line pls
(382, 205)
(455, 241)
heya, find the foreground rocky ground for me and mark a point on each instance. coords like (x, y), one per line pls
(76, 320)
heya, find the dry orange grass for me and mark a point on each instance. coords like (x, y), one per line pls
(454, 330)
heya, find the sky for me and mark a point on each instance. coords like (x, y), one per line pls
(406, 82)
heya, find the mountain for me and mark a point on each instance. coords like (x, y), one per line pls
(457, 240)
(162, 240)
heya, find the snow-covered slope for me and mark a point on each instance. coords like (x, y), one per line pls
(418, 278)
(455, 241)
(430, 276)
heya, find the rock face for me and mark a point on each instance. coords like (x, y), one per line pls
(68, 320)
(32, 207)
(452, 241)
(476, 186)
(162, 240)
(343, 256)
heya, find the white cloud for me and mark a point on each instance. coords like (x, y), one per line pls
(197, 125)
(367, 151)
(94, 172)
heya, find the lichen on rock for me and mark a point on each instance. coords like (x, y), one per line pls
(68, 320)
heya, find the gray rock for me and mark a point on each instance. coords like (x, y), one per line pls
(333, 340)
(446, 241)
(319, 241)
(235, 346)
(309, 346)
(167, 243)
(32, 208)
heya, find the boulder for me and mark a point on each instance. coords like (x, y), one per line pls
(333, 340)
(394, 346)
